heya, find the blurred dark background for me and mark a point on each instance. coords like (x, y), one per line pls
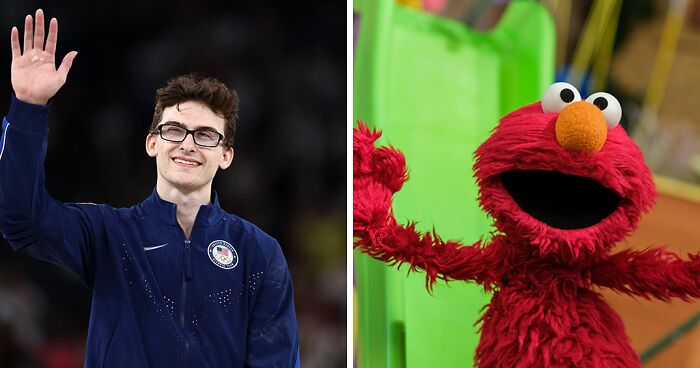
(288, 64)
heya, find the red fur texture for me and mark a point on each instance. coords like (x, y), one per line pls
(543, 312)
(525, 139)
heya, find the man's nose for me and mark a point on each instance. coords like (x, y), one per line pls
(188, 143)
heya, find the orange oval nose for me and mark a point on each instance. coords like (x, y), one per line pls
(581, 127)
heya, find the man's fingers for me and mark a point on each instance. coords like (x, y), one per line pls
(66, 63)
(28, 33)
(53, 36)
(14, 43)
(39, 30)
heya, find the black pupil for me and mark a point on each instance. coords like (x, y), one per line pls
(601, 102)
(566, 95)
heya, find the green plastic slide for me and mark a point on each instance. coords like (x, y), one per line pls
(436, 88)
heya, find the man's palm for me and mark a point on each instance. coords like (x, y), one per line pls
(34, 76)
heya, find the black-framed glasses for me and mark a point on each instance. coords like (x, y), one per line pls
(202, 137)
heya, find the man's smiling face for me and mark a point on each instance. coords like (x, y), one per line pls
(185, 165)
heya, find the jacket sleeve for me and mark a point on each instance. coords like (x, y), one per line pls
(30, 219)
(273, 339)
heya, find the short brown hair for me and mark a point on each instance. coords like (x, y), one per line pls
(209, 91)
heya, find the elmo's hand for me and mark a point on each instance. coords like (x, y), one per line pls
(385, 165)
(378, 173)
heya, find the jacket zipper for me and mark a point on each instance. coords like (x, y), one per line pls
(186, 277)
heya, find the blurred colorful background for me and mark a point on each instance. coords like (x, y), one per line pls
(288, 64)
(436, 75)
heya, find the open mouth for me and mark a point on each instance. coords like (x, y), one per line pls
(559, 200)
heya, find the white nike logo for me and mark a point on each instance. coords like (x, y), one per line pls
(156, 247)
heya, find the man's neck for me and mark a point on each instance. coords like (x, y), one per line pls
(187, 202)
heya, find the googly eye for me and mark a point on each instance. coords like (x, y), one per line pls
(558, 96)
(609, 105)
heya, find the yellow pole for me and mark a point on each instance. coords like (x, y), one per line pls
(588, 43)
(605, 50)
(664, 57)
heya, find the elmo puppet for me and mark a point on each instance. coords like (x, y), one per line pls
(563, 183)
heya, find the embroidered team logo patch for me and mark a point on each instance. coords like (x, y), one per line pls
(222, 254)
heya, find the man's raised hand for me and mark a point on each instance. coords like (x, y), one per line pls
(34, 76)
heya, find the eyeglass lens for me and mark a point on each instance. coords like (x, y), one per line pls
(173, 133)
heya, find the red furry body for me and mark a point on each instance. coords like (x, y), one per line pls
(543, 312)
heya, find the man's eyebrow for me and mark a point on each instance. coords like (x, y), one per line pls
(198, 127)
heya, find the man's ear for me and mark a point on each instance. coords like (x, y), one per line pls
(151, 140)
(228, 158)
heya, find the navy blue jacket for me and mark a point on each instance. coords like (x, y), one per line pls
(222, 298)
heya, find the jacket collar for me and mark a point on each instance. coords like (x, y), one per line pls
(166, 212)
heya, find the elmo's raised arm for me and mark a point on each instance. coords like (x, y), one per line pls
(653, 272)
(378, 173)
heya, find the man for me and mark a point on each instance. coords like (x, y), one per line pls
(176, 281)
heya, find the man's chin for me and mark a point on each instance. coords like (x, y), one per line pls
(186, 182)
